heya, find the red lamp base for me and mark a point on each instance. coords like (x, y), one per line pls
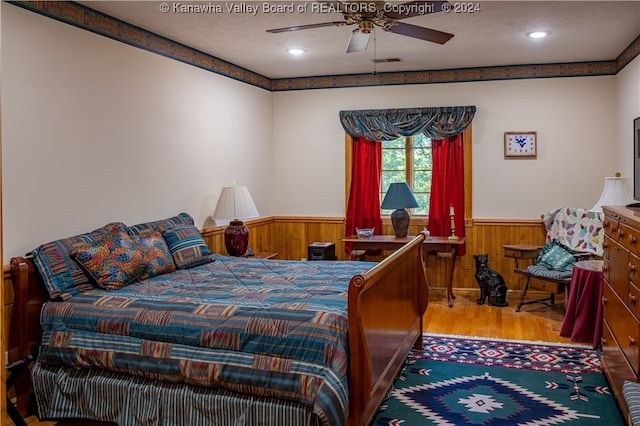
(236, 238)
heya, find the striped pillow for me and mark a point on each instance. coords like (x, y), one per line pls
(61, 275)
(187, 246)
(631, 393)
(160, 225)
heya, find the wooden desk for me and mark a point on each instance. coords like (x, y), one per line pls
(440, 246)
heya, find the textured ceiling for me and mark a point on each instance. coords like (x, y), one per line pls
(491, 34)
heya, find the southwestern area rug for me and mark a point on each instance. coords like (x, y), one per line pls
(473, 381)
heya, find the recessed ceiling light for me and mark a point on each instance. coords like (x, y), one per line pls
(296, 51)
(537, 34)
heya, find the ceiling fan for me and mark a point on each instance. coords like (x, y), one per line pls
(370, 14)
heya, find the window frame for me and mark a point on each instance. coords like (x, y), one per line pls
(467, 143)
(409, 171)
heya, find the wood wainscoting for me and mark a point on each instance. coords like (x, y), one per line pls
(290, 237)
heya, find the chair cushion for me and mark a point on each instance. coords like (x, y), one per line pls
(545, 272)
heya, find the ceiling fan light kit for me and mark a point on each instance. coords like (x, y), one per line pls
(387, 16)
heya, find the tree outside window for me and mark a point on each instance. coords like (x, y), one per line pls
(408, 159)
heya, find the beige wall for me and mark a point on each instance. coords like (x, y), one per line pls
(96, 130)
(117, 133)
(627, 109)
(574, 132)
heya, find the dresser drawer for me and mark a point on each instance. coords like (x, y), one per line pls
(634, 269)
(610, 228)
(606, 243)
(615, 365)
(624, 326)
(629, 237)
(633, 299)
(618, 275)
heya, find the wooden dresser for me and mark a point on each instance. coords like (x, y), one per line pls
(621, 299)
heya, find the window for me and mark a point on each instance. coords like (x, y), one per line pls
(408, 159)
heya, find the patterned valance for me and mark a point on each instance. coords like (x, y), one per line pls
(388, 124)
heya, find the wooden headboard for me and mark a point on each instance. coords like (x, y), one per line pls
(25, 333)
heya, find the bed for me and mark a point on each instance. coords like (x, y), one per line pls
(226, 341)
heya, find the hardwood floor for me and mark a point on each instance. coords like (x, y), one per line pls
(535, 322)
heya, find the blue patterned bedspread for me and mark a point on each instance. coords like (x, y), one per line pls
(265, 327)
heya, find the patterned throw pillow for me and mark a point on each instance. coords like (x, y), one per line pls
(161, 225)
(113, 261)
(62, 276)
(557, 257)
(155, 255)
(187, 246)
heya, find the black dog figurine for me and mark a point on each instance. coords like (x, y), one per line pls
(491, 283)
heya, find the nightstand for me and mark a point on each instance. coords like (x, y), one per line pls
(321, 251)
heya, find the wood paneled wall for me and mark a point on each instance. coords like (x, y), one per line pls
(290, 236)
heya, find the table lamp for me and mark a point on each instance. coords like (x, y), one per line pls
(614, 193)
(399, 197)
(235, 203)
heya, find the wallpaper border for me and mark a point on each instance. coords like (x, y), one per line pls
(88, 19)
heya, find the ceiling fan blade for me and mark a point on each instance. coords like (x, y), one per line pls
(422, 33)
(307, 27)
(415, 8)
(358, 42)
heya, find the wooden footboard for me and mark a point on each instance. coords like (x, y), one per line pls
(25, 333)
(386, 305)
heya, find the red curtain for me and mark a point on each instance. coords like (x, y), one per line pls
(363, 209)
(447, 187)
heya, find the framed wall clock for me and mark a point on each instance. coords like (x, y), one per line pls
(520, 144)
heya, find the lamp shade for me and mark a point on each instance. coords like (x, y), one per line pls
(399, 196)
(235, 203)
(613, 194)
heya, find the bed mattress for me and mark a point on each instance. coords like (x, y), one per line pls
(262, 327)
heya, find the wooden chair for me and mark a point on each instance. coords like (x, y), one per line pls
(540, 277)
(572, 234)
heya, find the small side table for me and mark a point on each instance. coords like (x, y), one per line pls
(521, 251)
(583, 319)
(321, 251)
